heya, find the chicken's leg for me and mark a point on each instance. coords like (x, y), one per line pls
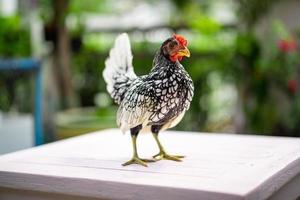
(135, 159)
(162, 153)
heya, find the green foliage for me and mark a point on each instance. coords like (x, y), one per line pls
(14, 43)
(79, 7)
(269, 86)
(76, 8)
(226, 65)
(87, 67)
(250, 11)
(199, 21)
(261, 75)
(14, 39)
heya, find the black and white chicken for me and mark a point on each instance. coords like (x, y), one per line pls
(152, 102)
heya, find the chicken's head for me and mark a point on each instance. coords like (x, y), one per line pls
(175, 48)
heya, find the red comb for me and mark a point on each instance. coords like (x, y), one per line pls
(180, 39)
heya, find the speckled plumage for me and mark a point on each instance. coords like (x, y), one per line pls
(158, 98)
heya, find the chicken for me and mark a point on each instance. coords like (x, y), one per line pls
(152, 102)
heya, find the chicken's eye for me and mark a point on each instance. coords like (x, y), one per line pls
(173, 44)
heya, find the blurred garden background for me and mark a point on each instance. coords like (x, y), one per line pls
(244, 62)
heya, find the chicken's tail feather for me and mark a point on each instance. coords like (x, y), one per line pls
(118, 73)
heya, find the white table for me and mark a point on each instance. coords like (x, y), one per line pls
(217, 167)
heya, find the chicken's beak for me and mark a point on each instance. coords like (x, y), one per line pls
(184, 52)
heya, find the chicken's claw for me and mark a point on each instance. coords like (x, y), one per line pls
(139, 161)
(163, 155)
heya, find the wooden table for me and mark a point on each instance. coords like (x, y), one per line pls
(217, 167)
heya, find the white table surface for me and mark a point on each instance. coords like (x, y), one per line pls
(217, 166)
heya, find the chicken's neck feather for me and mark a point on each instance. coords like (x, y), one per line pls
(161, 61)
(162, 67)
